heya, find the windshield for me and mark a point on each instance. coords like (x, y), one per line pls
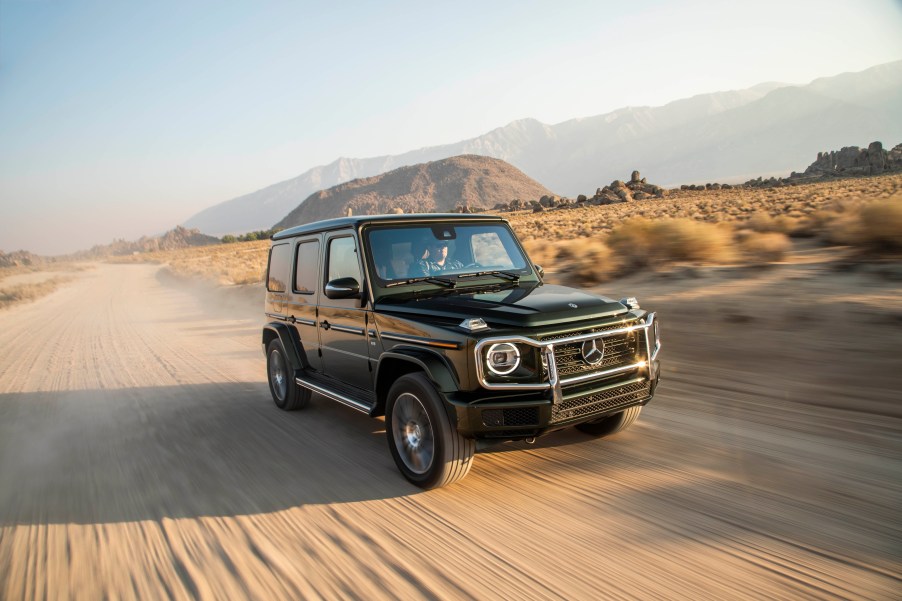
(445, 251)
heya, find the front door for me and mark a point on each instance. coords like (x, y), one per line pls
(343, 322)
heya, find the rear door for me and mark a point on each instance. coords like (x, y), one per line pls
(300, 308)
(278, 274)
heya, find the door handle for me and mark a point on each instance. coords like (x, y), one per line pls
(325, 325)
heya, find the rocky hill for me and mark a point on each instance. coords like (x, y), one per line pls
(850, 161)
(448, 185)
(177, 238)
(19, 258)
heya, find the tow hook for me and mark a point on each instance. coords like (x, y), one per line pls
(531, 440)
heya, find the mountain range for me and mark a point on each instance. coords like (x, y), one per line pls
(729, 136)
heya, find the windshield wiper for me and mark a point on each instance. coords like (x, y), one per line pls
(512, 277)
(428, 279)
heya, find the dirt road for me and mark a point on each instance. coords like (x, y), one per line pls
(141, 457)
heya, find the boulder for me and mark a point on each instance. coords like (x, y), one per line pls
(876, 158)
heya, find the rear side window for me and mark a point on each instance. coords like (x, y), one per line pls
(306, 267)
(279, 268)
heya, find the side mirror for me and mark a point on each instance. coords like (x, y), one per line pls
(343, 288)
(539, 270)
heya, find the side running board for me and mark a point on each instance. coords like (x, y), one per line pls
(344, 399)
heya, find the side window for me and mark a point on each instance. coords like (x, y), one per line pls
(306, 267)
(343, 259)
(279, 268)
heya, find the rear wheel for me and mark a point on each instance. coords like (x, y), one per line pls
(612, 423)
(287, 395)
(426, 447)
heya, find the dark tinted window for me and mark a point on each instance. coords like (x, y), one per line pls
(279, 268)
(343, 259)
(306, 267)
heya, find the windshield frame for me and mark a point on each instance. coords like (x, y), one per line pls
(451, 231)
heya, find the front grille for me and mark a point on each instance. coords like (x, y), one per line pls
(607, 401)
(619, 350)
(517, 416)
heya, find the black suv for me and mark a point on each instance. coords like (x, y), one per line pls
(442, 324)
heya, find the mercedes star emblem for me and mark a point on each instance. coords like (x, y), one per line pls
(593, 351)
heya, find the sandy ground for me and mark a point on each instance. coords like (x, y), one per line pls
(141, 457)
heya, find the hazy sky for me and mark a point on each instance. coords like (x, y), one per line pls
(123, 118)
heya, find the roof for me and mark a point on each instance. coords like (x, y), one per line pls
(354, 222)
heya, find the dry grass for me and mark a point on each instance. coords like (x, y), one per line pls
(593, 244)
(238, 263)
(53, 266)
(750, 226)
(640, 242)
(763, 247)
(21, 293)
(881, 225)
(787, 207)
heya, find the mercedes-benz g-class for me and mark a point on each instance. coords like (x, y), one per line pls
(442, 324)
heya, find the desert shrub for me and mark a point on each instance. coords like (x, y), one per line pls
(764, 222)
(765, 247)
(688, 240)
(640, 242)
(835, 223)
(569, 250)
(20, 293)
(541, 252)
(634, 242)
(596, 263)
(881, 225)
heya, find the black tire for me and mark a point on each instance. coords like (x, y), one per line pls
(287, 395)
(612, 423)
(426, 447)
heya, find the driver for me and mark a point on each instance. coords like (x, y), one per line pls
(438, 258)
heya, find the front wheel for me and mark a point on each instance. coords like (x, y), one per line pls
(426, 447)
(287, 395)
(612, 423)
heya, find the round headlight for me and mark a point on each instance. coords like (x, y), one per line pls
(502, 358)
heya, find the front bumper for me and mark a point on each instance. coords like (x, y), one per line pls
(514, 410)
(498, 417)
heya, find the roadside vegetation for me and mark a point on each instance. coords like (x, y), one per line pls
(738, 226)
(589, 245)
(19, 293)
(251, 236)
(238, 263)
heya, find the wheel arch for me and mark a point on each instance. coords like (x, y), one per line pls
(399, 362)
(291, 342)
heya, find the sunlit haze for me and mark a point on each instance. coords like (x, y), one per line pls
(122, 119)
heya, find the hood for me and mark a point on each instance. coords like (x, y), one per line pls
(522, 306)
